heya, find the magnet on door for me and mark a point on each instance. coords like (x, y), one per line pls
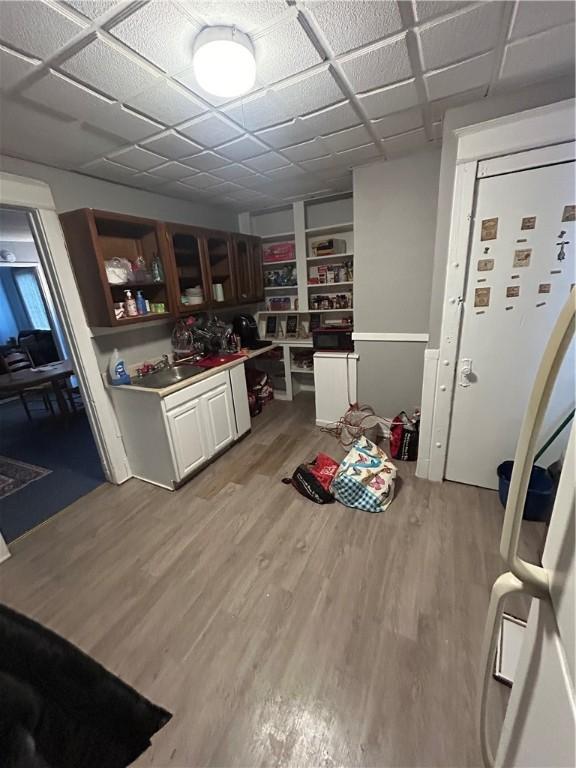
(528, 222)
(522, 258)
(512, 291)
(482, 297)
(544, 288)
(489, 230)
(485, 265)
(569, 213)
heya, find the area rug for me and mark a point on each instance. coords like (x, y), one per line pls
(15, 475)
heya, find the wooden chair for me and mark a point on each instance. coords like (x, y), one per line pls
(17, 360)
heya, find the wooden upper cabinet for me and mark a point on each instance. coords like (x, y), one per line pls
(248, 267)
(189, 272)
(220, 263)
(95, 239)
(179, 268)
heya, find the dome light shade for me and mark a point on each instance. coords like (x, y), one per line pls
(224, 62)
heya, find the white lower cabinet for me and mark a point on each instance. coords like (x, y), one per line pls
(169, 438)
(189, 436)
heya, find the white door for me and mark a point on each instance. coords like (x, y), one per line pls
(540, 723)
(219, 414)
(520, 270)
(189, 435)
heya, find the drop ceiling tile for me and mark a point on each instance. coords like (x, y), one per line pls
(21, 125)
(137, 158)
(473, 73)
(534, 17)
(210, 130)
(161, 33)
(266, 162)
(201, 180)
(378, 65)
(107, 68)
(350, 24)
(392, 98)
(205, 161)
(105, 169)
(171, 170)
(438, 107)
(401, 122)
(148, 181)
(470, 32)
(307, 93)
(320, 164)
(242, 149)
(541, 56)
(92, 9)
(405, 143)
(233, 172)
(171, 145)
(227, 187)
(357, 156)
(167, 103)
(351, 137)
(188, 79)
(181, 190)
(292, 132)
(305, 151)
(284, 50)
(124, 123)
(256, 182)
(14, 67)
(289, 172)
(428, 9)
(333, 118)
(247, 15)
(35, 28)
(67, 97)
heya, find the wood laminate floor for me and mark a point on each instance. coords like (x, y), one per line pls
(278, 632)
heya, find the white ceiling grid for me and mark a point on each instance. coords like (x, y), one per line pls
(107, 88)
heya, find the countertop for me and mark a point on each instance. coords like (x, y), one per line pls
(248, 354)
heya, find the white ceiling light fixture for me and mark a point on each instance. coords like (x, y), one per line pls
(224, 62)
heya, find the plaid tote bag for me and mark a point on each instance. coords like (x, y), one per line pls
(365, 478)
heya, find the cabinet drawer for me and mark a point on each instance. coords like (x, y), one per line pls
(195, 390)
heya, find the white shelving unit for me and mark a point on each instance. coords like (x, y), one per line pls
(303, 222)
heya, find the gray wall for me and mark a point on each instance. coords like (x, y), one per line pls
(478, 112)
(73, 190)
(395, 205)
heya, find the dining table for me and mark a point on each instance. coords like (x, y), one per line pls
(28, 378)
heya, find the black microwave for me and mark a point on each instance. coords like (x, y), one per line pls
(338, 339)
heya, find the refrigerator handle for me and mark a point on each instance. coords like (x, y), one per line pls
(535, 578)
(505, 585)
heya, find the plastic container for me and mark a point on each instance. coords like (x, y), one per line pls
(117, 370)
(540, 490)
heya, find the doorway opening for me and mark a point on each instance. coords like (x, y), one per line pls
(48, 455)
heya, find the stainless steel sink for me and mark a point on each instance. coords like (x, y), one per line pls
(168, 376)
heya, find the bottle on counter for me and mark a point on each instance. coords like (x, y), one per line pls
(130, 304)
(141, 303)
(117, 370)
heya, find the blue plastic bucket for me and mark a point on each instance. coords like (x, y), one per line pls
(539, 494)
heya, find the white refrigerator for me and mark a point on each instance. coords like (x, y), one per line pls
(539, 727)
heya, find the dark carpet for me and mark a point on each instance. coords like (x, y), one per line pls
(67, 449)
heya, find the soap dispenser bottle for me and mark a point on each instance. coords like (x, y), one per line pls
(141, 304)
(130, 305)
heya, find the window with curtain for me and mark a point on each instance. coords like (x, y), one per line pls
(31, 295)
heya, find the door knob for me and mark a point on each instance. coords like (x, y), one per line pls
(465, 372)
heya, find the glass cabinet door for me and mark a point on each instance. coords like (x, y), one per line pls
(219, 253)
(256, 270)
(243, 270)
(192, 290)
